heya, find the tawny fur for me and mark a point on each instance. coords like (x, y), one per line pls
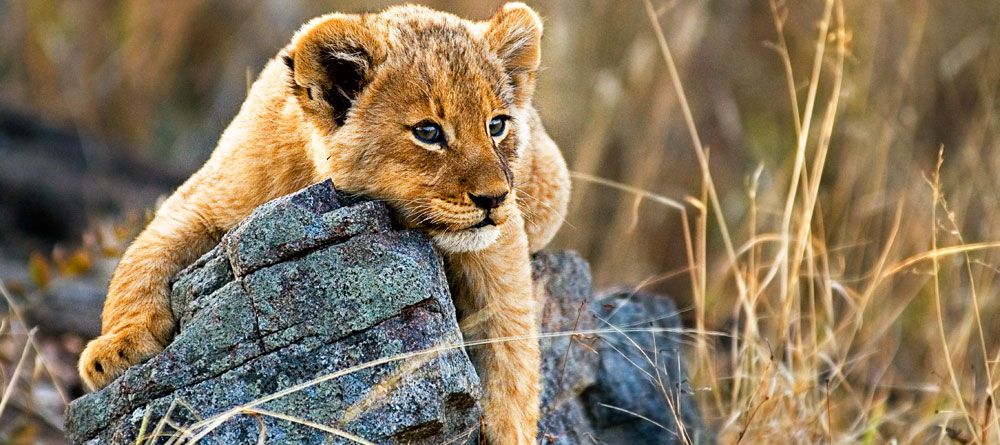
(340, 102)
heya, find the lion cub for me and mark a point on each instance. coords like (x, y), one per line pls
(422, 109)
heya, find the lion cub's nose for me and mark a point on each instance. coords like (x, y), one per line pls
(488, 201)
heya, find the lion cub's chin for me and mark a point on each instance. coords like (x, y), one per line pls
(468, 240)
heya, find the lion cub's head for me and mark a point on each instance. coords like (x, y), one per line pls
(422, 109)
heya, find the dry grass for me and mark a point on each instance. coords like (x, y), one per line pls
(859, 308)
(816, 356)
(826, 186)
(33, 395)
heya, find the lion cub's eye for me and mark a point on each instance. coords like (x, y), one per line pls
(428, 133)
(497, 126)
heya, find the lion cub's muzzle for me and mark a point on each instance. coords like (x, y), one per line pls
(481, 234)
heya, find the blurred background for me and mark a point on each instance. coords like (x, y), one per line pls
(106, 106)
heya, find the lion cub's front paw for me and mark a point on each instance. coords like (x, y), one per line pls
(108, 356)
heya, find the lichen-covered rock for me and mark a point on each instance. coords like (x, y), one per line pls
(313, 284)
(301, 289)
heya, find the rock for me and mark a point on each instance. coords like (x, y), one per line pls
(568, 362)
(642, 374)
(280, 302)
(588, 376)
(313, 284)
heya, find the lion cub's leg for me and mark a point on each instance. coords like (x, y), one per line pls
(136, 322)
(495, 295)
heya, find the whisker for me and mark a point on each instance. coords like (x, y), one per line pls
(562, 218)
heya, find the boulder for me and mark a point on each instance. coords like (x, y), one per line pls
(312, 319)
(642, 373)
(304, 287)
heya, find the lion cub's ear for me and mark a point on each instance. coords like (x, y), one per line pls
(515, 35)
(332, 59)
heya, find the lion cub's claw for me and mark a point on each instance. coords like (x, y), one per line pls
(108, 356)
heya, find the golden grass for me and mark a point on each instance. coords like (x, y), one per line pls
(807, 339)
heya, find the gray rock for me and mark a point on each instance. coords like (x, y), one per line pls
(297, 223)
(301, 289)
(590, 379)
(568, 362)
(313, 283)
(642, 374)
